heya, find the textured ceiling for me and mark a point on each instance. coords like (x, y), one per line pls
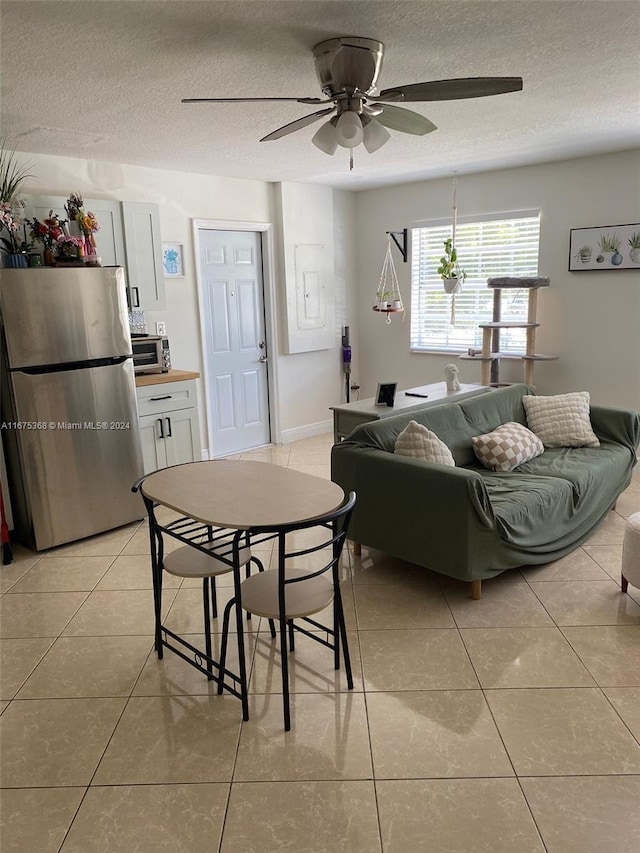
(103, 80)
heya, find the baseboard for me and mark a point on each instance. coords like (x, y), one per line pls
(295, 434)
(308, 431)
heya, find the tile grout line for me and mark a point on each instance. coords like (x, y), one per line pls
(504, 746)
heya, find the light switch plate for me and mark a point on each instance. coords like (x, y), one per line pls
(161, 327)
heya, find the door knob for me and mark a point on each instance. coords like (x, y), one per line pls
(263, 359)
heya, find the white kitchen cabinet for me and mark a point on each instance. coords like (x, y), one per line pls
(144, 255)
(169, 425)
(129, 237)
(109, 239)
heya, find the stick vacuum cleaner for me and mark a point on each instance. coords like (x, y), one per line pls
(346, 362)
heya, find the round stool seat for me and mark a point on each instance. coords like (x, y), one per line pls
(631, 552)
(260, 594)
(186, 562)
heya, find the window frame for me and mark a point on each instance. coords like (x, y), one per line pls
(417, 290)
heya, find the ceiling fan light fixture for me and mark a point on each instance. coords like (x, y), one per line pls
(350, 132)
(326, 138)
(375, 135)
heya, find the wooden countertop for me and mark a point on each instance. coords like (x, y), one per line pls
(158, 378)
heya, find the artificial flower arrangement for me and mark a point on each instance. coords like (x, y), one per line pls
(70, 248)
(87, 223)
(58, 243)
(12, 208)
(11, 221)
(47, 231)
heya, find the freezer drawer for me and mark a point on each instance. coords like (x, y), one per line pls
(81, 452)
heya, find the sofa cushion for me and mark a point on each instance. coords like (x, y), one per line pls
(530, 510)
(562, 420)
(507, 447)
(595, 473)
(419, 442)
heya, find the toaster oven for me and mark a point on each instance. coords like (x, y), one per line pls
(151, 354)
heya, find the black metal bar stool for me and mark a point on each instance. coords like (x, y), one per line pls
(287, 594)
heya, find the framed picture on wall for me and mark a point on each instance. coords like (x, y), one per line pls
(172, 260)
(386, 394)
(605, 247)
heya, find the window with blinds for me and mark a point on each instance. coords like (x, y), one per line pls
(504, 245)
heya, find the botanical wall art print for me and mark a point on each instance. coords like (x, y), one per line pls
(172, 262)
(606, 247)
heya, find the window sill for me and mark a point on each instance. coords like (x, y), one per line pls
(455, 351)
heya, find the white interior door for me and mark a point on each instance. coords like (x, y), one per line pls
(235, 346)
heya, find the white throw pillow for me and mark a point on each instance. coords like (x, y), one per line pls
(419, 442)
(508, 446)
(561, 421)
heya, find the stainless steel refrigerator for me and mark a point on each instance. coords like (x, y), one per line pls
(69, 411)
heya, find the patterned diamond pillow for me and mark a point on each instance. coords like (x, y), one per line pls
(561, 421)
(506, 447)
(419, 442)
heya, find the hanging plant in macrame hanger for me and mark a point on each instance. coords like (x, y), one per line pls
(450, 271)
(388, 296)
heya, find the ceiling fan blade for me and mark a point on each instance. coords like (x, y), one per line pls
(406, 121)
(298, 124)
(451, 90)
(251, 100)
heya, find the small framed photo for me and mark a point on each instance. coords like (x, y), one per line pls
(172, 260)
(386, 394)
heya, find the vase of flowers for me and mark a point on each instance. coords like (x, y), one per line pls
(69, 250)
(15, 242)
(12, 221)
(86, 223)
(47, 232)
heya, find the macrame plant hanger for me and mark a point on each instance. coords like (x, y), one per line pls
(453, 245)
(388, 296)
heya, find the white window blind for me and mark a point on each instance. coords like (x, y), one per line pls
(506, 245)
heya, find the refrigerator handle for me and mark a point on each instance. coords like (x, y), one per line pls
(169, 434)
(161, 428)
(136, 297)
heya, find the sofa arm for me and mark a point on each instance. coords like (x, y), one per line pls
(436, 516)
(621, 426)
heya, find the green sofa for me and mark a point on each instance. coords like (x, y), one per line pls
(471, 523)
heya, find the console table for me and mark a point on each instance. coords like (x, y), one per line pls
(350, 415)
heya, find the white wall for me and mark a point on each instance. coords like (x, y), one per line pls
(590, 319)
(309, 382)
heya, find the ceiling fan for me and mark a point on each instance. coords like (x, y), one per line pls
(347, 69)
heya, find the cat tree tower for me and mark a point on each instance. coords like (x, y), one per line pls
(491, 355)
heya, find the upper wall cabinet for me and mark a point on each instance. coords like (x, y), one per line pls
(109, 239)
(144, 254)
(137, 247)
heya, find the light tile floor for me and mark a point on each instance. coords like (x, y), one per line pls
(506, 725)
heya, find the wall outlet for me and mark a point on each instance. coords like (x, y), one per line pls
(161, 327)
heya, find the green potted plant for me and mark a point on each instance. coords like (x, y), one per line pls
(609, 245)
(450, 271)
